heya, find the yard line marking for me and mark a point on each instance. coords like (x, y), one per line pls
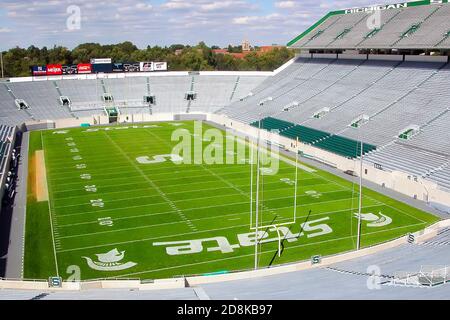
(163, 195)
(189, 209)
(239, 174)
(193, 183)
(212, 217)
(247, 195)
(153, 171)
(192, 190)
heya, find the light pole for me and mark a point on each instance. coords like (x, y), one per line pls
(358, 244)
(257, 196)
(1, 62)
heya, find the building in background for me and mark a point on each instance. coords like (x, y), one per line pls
(246, 46)
(247, 49)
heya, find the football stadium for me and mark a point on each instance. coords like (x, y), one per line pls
(326, 178)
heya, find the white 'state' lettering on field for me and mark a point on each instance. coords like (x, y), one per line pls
(311, 229)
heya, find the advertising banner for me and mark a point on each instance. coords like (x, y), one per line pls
(131, 67)
(54, 70)
(102, 68)
(70, 69)
(117, 67)
(159, 66)
(101, 61)
(84, 68)
(39, 70)
(146, 66)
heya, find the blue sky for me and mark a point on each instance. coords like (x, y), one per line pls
(160, 22)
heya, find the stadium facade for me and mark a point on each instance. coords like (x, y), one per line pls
(377, 75)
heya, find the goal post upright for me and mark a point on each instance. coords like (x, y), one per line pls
(257, 194)
(255, 222)
(358, 241)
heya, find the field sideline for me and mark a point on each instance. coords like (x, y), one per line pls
(111, 216)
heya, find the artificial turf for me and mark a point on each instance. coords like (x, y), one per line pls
(141, 209)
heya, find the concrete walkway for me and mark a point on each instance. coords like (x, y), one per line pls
(14, 261)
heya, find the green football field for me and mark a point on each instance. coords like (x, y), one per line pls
(121, 208)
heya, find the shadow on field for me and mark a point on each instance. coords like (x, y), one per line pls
(283, 241)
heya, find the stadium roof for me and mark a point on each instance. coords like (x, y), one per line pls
(423, 25)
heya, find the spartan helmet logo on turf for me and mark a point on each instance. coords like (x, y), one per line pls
(110, 261)
(375, 221)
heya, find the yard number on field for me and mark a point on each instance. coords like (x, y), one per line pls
(98, 203)
(106, 222)
(92, 188)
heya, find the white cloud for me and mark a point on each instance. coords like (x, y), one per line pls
(285, 4)
(176, 4)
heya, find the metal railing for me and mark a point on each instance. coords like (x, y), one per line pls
(428, 276)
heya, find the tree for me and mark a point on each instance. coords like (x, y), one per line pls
(17, 61)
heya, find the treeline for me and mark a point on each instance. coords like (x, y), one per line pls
(17, 61)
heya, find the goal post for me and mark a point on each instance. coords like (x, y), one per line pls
(257, 219)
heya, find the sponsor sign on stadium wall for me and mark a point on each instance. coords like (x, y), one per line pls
(101, 61)
(54, 70)
(72, 69)
(102, 68)
(146, 66)
(39, 70)
(131, 67)
(117, 67)
(159, 66)
(87, 68)
(84, 68)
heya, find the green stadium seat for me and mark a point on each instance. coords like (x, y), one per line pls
(337, 144)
